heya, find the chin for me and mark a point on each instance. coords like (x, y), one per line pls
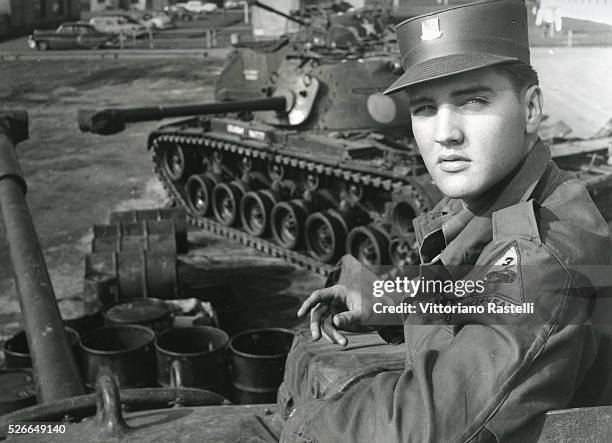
(454, 194)
(458, 188)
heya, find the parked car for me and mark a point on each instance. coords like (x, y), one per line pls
(233, 4)
(199, 7)
(179, 13)
(155, 20)
(69, 36)
(118, 24)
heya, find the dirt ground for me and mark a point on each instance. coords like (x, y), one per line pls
(75, 179)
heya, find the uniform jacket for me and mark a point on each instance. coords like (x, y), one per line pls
(481, 378)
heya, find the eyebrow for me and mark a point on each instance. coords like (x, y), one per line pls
(459, 93)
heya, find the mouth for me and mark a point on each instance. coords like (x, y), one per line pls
(453, 162)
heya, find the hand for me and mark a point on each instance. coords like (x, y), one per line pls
(331, 309)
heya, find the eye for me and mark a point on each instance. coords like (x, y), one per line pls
(423, 111)
(475, 103)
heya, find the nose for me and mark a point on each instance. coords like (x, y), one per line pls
(447, 131)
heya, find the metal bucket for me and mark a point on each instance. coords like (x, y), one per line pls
(138, 274)
(101, 287)
(125, 352)
(193, 357)
(258, 364)
(177, 215)
(150, 235)
(150, 312)
(81, 315)
(17, 351)
(17, 390)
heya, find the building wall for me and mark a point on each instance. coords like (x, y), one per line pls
(5, 18)
(138, 5)
(48, 13)
(155, 5)
(599, 11)
(5, 6)
(103, 5)
(25, 15)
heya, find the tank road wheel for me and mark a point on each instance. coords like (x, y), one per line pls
(325, 234)
(226, 201)
(179, 162)
(199, 189)
(288, 223)
(368, 245)
(255, 208)
(402, 216)
(403, 251)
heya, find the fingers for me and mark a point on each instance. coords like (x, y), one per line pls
(331, 333)
(322, 320)
(324, 326)
(315, 320)
(321, 325)
(345, 319)
(316, 297)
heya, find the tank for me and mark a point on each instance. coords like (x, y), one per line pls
(66, 413)
(334, 171)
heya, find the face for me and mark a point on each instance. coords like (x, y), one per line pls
(470, 129)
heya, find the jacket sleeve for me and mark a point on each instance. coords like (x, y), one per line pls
(480, 378)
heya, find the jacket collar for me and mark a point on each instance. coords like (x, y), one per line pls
(455, 235)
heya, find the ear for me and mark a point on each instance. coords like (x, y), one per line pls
(533, 102)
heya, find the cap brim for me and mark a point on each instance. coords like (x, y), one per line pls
(444, 66)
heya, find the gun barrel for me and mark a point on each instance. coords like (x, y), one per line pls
(57, 374)
(113, 120)
(161, 112)
(276, 11)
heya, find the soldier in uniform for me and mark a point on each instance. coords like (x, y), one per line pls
(510, 217)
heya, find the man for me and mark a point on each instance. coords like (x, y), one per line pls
(526, 231)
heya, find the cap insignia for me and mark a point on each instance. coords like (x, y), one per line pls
(430, 29)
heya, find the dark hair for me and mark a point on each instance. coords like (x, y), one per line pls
(520, 74)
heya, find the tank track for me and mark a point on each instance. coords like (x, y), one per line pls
(169, 135)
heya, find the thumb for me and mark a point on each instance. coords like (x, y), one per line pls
(345, 318)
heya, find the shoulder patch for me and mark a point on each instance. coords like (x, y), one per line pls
(503, 278)
(505, 268)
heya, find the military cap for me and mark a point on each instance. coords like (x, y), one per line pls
(461, 39)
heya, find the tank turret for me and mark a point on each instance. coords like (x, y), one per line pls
(252, 62)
